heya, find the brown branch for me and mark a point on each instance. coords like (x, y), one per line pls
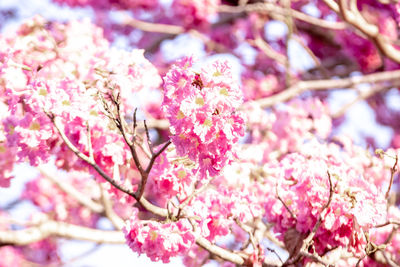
(155, 155)
(156, 124)
(284, 204)
(273, 8)
(116, 221)
(154, 27)
(60, 229)
(169, 31)
(120, 124)
(353, 17)
(393, 170)
(220, 252)
(268, 50)
(316, 60)
(249, 231)
(315, 85)
(145, 175)
(89, 140)
(315, 257)
(290, 26)
(146, 204)
(387, 223)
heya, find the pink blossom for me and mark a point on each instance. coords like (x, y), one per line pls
(356, 204)
(158, 240)
(202, 110)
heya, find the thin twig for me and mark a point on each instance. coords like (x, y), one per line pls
(268, 50)
(89, 138)
(146, 204)
(195, 193)
(326, 84)
(60, 229)
(116, 221)
(393, 170)
(284, 204)
(371, 31)
(145, 175)
(154, 27)
(361, 96)
(273, 8)
(249, 231)
(289, 23)
(387, 223)
(148, 137)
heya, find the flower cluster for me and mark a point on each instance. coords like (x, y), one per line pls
(380, 235)
(298, 121)
(158, 240)
(202, 110)
(63, 70)
(220, 209)
(172, 175)
(356, 205)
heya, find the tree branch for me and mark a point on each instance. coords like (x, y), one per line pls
(60, 229)
(315, 85)
(145, 203)
(154, 27)
(353, 17)
(273, 8)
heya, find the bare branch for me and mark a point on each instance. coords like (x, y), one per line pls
(362, 96)
(157, 124)
(387, 223)
(146, 204)
(220, 252)
(60, 229)
(268, 50)
(273, 8)
(154, 27)
(284, 204)
(371, 31)
(315, 85)
(148, 137)
(393, 170)
(89, 138)
(145, 175)
(116, 221)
